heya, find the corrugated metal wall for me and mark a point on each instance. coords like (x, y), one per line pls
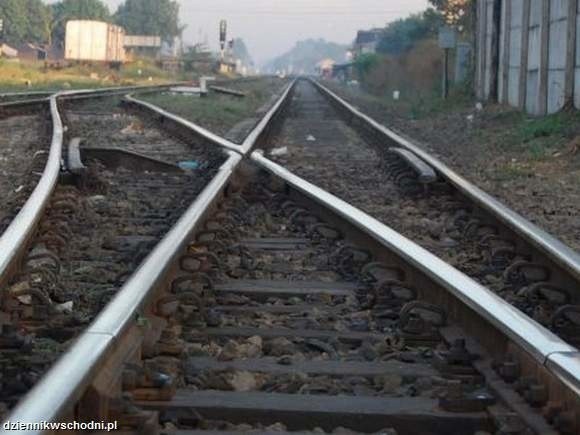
(538, 56)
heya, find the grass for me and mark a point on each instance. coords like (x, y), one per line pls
(542, 137)
(218, 112)
(17, 77)
(512, 171)
(432, 104)
(542, 127)
(228, 110)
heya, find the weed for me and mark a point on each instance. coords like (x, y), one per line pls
(216, 111)
(537, 151)
(543, 127)
(15, 76)
(512, 172)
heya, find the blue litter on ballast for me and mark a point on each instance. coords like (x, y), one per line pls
(189, 165)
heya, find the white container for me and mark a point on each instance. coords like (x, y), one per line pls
(94, 41)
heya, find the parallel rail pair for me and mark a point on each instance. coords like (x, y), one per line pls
(117, 332)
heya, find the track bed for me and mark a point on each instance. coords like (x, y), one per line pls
(270, 306)
(286, 340)
(328, 152)
(97, 230)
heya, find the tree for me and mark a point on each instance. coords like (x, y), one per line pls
(455, 12)
(66, 10)
(150, 17)
(13, 12)
(39, 22)
(401, 35)
(242, 53)
(304, 56)
(25, 21)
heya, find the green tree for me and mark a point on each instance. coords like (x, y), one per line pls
(366, 62)
(401, 35)
(241, 52)
(150, 17)
(66, 10)
(13, 12)
(39, 21)
(25, 21)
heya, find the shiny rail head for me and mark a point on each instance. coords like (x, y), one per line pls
(114, 90)
(540, 343)
(252, 138)
(23, 226)
(567, 367)
(248, 144)
(197, 129)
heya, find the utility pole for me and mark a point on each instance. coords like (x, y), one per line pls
(223, 35)
(446, 73)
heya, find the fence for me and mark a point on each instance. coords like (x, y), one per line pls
(528, 53)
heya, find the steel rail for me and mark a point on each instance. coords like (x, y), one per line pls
(205, 133)
(562, 359)
(24, 224)
(246, 145)
(18, 103)
(562, 254)
(264, 123)
(83, 94)
(64, 384)
(67, 380)
(24, 93)
(115, 90)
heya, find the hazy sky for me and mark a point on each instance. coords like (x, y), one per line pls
(271, 27)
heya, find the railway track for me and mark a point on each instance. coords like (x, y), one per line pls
(92, 237)
(332, 148)
(274, 306)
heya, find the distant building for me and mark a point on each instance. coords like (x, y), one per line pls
(8, 51)
(29, 52)
(141, 45)
(366, 41)
(227, 67)
(199, 58)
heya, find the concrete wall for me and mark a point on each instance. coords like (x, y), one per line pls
(538, 67)
(577, 63)
(515, 50)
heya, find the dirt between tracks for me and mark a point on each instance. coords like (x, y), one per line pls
(21, 138)
(530, 164)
